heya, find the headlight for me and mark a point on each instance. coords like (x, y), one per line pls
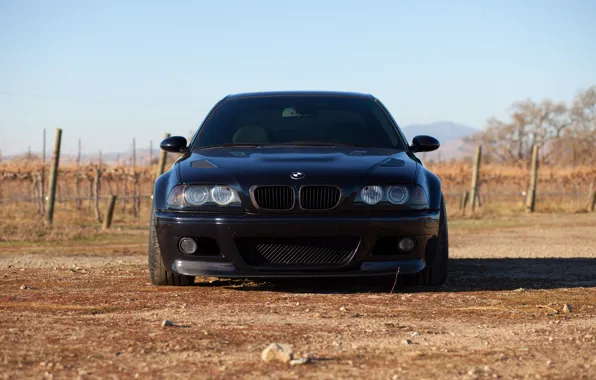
(176, 197)
(196, 195)
(199, 195)
(223, 195)
(371, 195)
(398, 195)
(409, 195)
(417, 196)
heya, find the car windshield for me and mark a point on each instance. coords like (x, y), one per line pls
(299, 120)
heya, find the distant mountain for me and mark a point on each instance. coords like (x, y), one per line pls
(442, 130)
(449, 134)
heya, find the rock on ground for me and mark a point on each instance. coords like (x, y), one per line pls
(280, 352)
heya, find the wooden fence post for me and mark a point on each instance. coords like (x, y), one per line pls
(54, 176)
(78, 201)
(90, 193)
(531, 195)
(41, 200)
(107, 221)
(475, 174)
(42, 185)
(124, 193)
(34, 192)
(162, 159)
(592, 201)
(137, 195)
(463, 202)
(96, 185)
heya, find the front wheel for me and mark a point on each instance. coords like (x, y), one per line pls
(157, 271)
(435, 271)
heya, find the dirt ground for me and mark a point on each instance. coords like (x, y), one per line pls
(88, 311)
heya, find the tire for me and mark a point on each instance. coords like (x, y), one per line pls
(435, 271)
(157, 271)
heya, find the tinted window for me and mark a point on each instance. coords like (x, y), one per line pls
(299, 119)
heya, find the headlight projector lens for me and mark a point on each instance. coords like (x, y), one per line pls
(398, 195)
(223, 195)
(196, 195)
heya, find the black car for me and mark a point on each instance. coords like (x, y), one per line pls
(298, 184)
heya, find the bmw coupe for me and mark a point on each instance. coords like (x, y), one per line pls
(298, 184)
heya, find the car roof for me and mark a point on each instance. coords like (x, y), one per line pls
(299, 93)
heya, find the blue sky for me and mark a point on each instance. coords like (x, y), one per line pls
(108, 71)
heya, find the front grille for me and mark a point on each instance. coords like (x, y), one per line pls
(319, 197)
(297, 251)
(274, 197)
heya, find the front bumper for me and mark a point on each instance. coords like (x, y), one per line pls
(226, 228)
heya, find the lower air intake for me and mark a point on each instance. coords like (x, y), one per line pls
(297, 251)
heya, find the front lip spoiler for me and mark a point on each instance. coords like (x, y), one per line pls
(227, 269)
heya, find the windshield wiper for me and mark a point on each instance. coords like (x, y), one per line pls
(231, 145)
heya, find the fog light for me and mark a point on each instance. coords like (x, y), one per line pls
(406, 244)
(188, 246)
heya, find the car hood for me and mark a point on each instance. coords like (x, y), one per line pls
(273, 165)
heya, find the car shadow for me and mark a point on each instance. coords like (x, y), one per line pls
(464, 275)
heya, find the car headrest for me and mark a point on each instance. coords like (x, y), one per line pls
(251, 134)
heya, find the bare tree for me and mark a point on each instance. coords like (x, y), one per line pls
(540, 123)
(583, 134)
(502, 141)
(548, 124)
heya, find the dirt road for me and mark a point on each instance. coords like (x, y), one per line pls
(91, 313)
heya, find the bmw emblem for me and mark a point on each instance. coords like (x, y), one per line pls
(297, 175)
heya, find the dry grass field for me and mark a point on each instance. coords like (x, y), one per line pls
(76, 301)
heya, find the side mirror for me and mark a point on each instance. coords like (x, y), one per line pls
(174, 144)
(424, 144)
